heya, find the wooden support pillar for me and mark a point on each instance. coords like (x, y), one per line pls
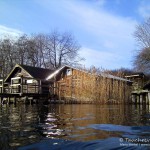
(146, 98)
(26, 99)
(140, 99)
(1, 99)
(14, 100)
(8, 100)
(134, 99)
(40, 86)
(3, 86)
(21, 90)
(10, 86)
(148, 95)
(59, 91)
(30, 101)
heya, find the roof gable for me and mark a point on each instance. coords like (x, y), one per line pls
(34, 72)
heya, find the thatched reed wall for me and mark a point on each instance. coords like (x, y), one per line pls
(83, 87)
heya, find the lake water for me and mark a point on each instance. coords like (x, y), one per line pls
(76, 126)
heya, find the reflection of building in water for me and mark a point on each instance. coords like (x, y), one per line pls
(24, 124)
(75, 122)
(18, 125)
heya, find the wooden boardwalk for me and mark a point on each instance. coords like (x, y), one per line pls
(141, 97)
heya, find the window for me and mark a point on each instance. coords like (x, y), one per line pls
(29, 81)
(69, 72)
(16, 81)
(1, 82)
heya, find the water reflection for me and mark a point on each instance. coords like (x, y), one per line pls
(22, 125)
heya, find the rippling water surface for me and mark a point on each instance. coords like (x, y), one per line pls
(74, 126)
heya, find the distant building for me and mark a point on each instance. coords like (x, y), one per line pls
(138, 80)
(140, 88)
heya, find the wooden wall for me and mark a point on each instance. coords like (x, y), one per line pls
(85, 87)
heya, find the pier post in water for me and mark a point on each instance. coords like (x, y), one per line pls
(141, 99)
(133, 98)
(14, 100)
(8, 100)
(0, 100)
(148, 96)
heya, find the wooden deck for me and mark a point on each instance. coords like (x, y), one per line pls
(141, 97)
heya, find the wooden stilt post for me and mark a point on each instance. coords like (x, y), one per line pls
(30, 101)
(8, 100)
(138, 99)
(26, 99)
(0, 100)
(14, 100)
(148, 96)
(141, 99)
(133, 99)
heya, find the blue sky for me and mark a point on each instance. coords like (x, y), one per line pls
(104, 28)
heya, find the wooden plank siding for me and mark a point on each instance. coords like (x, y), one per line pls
(86, 87)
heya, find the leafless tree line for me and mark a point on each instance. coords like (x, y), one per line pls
(142, 36)
(41, 50)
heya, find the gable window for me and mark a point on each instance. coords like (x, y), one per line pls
(69, 72)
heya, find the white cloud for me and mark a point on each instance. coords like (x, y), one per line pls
(104, 59)
(144, 9)
(4, 31)
(112, 34)
(100, 2)
(100, 22)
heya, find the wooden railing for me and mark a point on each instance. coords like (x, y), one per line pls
(26, 88)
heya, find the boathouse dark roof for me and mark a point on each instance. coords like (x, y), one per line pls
(35, 72)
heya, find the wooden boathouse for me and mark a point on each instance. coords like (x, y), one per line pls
(83, 86)
(65, 84)
(140, 88)
(25, 81)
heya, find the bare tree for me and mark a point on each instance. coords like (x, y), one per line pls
(7, 55)
(142, 36)
(60, 49)
(21, 49)
(40, 54)
(142, 60)
(41, 50)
